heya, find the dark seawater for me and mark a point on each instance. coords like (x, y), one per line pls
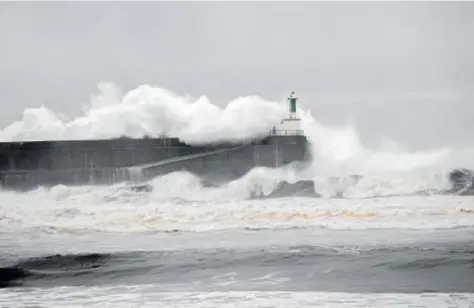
(415, 268)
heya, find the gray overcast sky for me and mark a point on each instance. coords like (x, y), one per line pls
(405, 70)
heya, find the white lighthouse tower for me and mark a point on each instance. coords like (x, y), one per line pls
(290, 126)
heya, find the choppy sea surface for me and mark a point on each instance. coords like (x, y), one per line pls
(112, 247)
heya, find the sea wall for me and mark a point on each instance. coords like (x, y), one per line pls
(104, 162)
(223, 165)
(89, 154)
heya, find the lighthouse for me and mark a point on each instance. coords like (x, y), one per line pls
(292, 104)
(290, 126)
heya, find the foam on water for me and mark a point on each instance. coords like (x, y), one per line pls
(147, 296)
(109, 209)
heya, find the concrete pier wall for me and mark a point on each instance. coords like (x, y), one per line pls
(103, 162)
(90, 154)
(227, 164)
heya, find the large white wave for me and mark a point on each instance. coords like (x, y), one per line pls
(149, 111)
(338, 154)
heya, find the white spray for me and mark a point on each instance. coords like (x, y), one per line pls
(150, 111)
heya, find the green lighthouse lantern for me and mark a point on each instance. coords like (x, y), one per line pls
(292, 99)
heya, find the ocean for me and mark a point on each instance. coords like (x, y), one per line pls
(394, 238)
(82, 247)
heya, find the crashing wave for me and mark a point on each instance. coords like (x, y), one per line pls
(461, 182)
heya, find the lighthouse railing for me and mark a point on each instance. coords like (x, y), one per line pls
(286, 132)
